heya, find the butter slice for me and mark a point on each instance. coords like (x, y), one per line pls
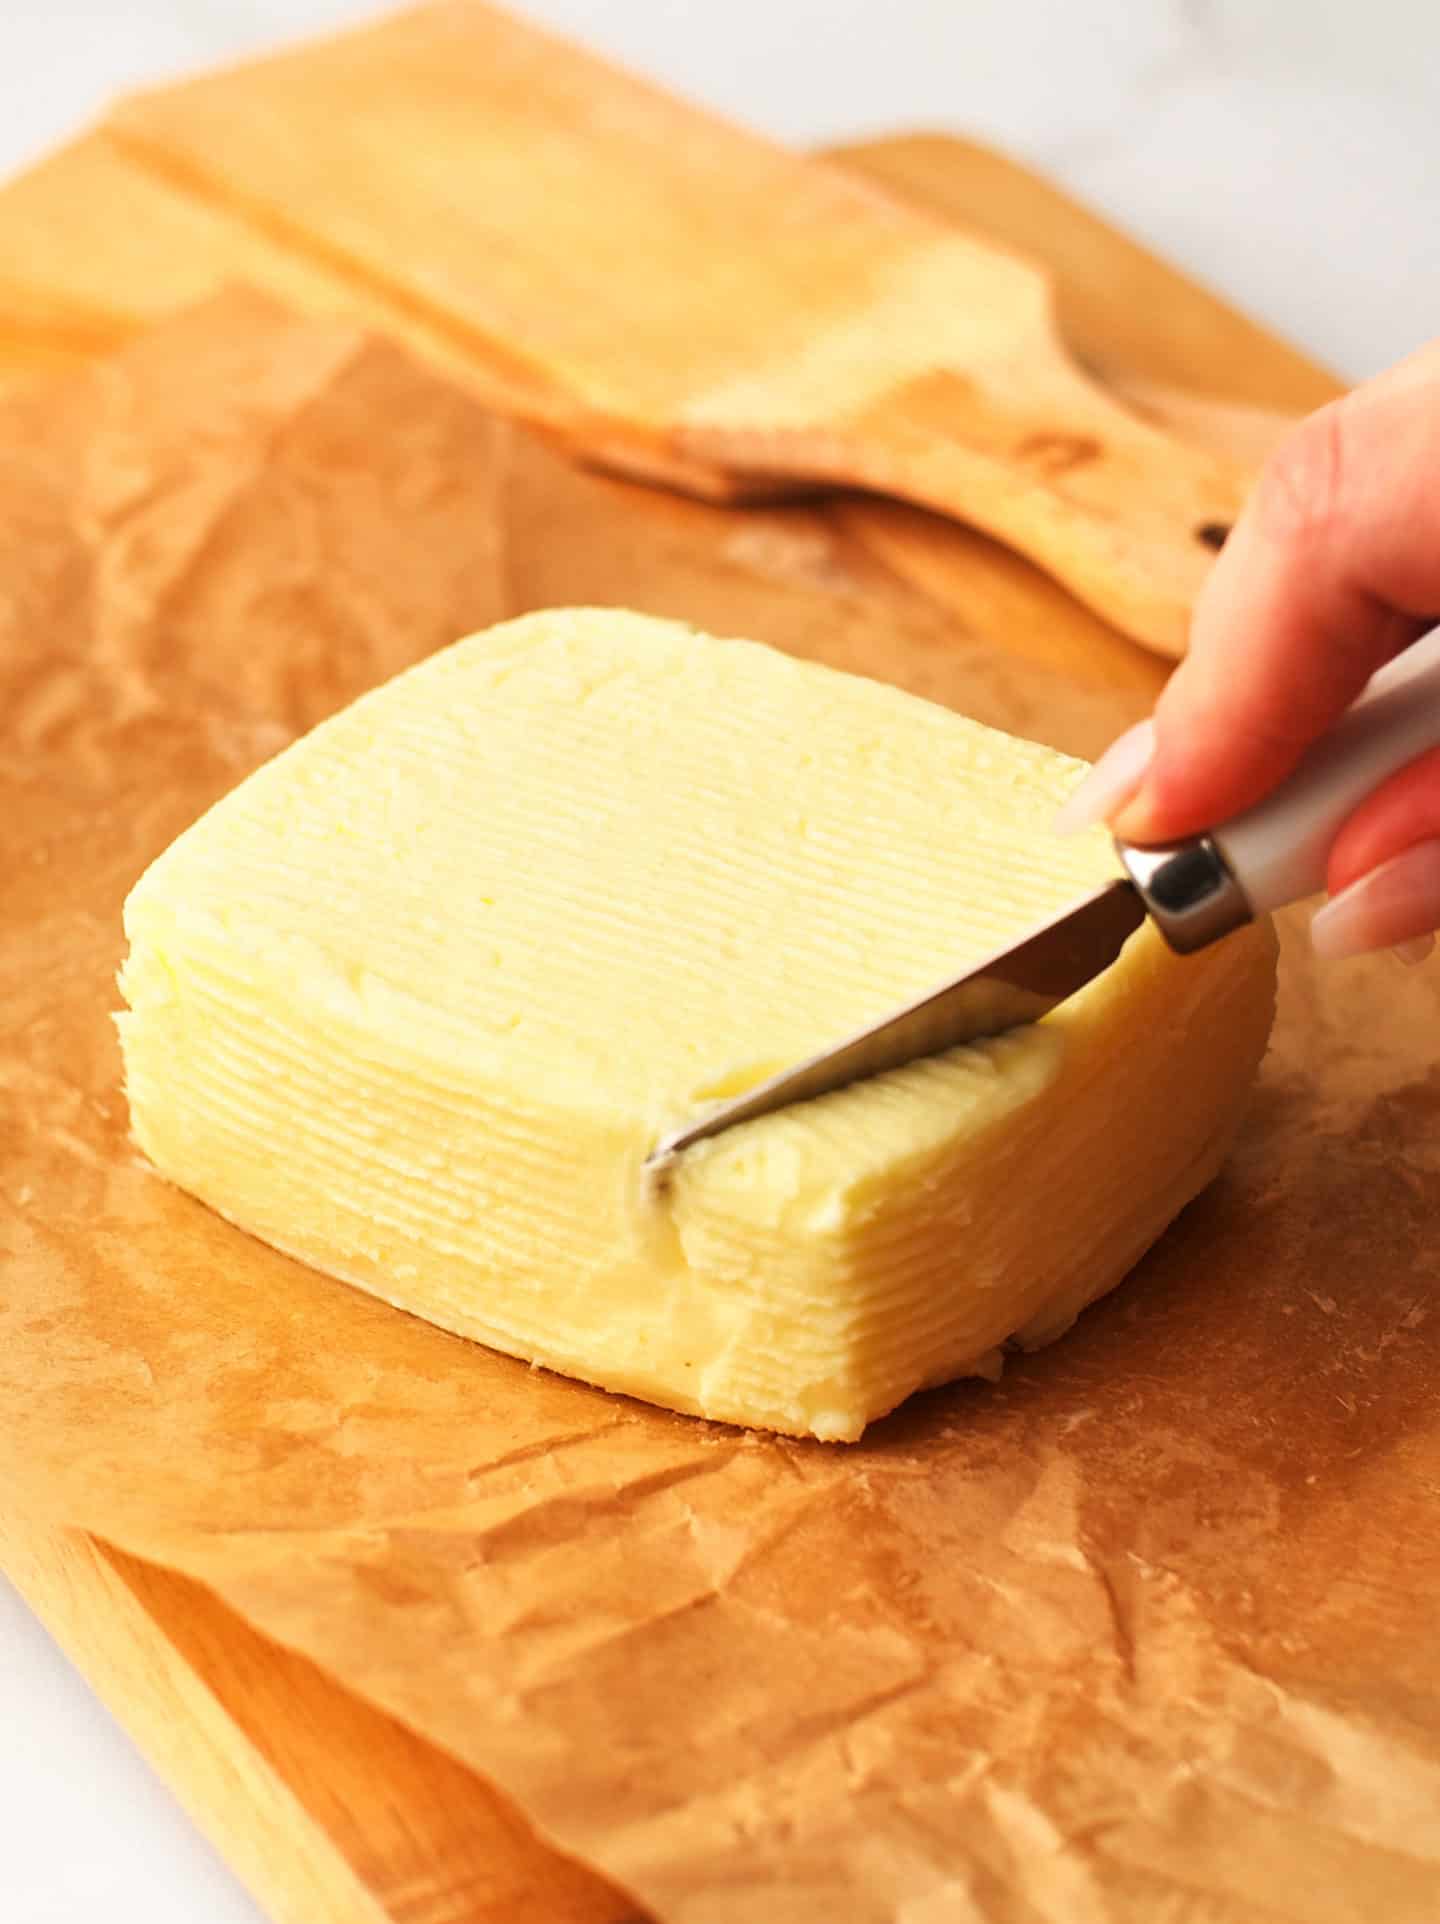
(413, 1002)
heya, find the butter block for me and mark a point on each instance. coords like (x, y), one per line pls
(413, 1002)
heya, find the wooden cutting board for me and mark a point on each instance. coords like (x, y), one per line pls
(677, 295)
(330, 1811)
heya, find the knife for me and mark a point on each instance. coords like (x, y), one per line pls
(1196, 892)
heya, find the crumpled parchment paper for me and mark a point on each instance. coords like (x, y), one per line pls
(1149, 1630)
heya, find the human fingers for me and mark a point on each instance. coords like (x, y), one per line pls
(1384, 868)
(1333, 567)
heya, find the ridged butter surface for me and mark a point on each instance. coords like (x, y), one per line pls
(413, 1002)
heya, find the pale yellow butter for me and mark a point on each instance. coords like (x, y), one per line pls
(414, 1001)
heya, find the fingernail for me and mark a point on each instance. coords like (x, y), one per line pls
(1391, 905)
(1113, 780)
(1414, 952)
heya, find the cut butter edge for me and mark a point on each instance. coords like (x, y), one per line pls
(413, 1002)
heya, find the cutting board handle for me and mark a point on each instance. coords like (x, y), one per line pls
(1007, 435)
(1127, 516)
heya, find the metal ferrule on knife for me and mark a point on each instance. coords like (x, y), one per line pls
(1188, 890)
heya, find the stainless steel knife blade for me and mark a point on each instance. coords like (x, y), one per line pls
(1014, 985)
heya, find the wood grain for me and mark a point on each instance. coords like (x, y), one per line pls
(330, 1811)
(1122, 309)
(672, 290)
(95, 245)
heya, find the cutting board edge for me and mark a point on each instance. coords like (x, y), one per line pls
(74, 1585)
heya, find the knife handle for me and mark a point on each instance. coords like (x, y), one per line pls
(1276, 852)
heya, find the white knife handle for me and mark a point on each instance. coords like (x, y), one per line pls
(1276, 852)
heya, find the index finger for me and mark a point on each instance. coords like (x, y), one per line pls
(1333, 567)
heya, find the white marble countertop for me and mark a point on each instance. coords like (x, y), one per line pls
(1286, 150)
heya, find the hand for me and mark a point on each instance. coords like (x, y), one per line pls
(1333, 567)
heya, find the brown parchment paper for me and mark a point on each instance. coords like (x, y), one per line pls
(1146, 1631)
